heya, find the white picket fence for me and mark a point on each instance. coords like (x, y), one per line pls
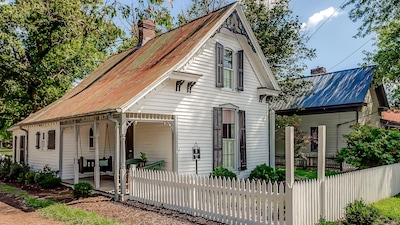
(315, 198)
(238, 201)
(247, 202)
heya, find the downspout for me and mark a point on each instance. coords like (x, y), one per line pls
(117, 150)
(26, 143)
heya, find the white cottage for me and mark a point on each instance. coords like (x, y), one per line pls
(203, 84)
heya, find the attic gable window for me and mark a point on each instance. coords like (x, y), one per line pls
(227, 63)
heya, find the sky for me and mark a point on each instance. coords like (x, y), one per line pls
(331, 33)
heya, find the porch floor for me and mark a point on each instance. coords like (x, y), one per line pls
(106, 183)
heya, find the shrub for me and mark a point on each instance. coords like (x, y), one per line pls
(82, 189)
(360, 213)
(30, 177)
(17, 172)
(322, 221)
(264, 172)
(281, 172)
(5, 165)
(223, 172)
(369, 146)
(49, 181)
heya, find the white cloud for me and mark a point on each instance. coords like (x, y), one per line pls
(319, 17)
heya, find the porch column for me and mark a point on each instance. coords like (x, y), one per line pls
(96, 157)
(76, 163)
(116, 159)
(123, 156)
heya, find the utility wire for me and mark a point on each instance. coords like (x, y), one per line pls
(326, 20)
(352, 53)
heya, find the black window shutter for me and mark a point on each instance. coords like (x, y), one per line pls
(217, 137)
(37, 140)
(242, 136)
(52, 140)
(219, 62)
(240, 70)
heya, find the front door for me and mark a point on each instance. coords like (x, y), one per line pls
(129, 142)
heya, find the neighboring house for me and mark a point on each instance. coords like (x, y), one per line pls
(203, 84)
(337, 100)
(391, 119)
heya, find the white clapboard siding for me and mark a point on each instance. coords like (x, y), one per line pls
(154, 139)
(194, 110)
(68, 153)
(228, 201)
(38, 158)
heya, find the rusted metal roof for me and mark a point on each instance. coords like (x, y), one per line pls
(123, 76)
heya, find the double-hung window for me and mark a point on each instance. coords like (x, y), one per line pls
(228, 63)
(229, 138)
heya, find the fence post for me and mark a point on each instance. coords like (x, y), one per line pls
(131, 180)
(289, 148)
(321, 168)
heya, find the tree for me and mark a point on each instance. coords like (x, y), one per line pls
(198, 9)
(383, 18)
(369, 146)
(279, 34)
(131, 14)
(47, 45)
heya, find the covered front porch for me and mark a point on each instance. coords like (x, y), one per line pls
(100, 149)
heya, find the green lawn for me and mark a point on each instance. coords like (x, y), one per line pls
(6, 151)
(302, 174)
(389, 208)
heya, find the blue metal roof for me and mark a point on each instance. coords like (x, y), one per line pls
(337, 88)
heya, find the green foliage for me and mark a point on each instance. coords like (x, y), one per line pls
(369, 146)
(45, 47)
(199, 8)
(30, 177)
(47, 178)
(301, 139)
(82, 189)
(389, 208)
(303, 174)
(322, 221)
(143, 156)
(17, 172)
(360, 213)
(37, 203)
(267, 173)
(5, 165)
(223, 172)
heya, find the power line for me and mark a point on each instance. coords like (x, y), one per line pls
(349, 55)
(326, 20)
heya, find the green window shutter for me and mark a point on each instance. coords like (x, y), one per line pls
(242, 136)
(217, 137)
(240, 82)
(219, 62)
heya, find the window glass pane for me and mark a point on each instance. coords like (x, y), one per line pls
(228, 154)
(314, 139)
(228, 59)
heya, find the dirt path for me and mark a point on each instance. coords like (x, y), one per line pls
(11, 215)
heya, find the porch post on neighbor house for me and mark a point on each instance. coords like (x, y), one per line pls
(123, 156)
(271, 138)
(96, 157)
(76, 163)
(289, 148)
(321, 167)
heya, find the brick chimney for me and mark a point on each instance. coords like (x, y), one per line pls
(318, 70)
(147, 31)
